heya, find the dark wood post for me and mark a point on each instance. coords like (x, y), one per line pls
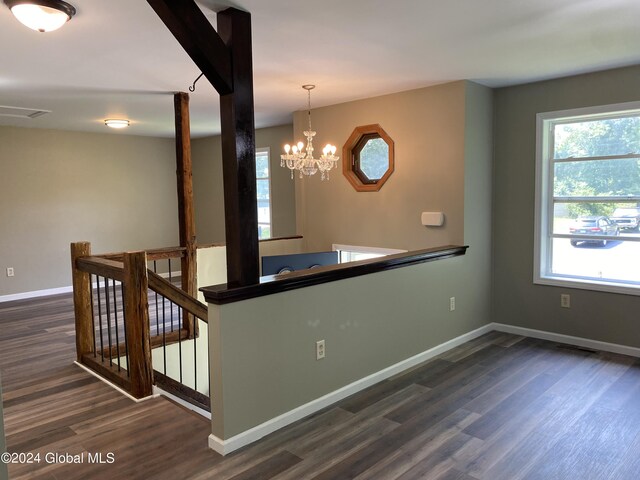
(136, 306)
(225, 59)
(82, 304)
(238, 152)
(186, 220)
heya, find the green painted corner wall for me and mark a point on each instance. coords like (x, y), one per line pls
(516, 300)
(263, 349)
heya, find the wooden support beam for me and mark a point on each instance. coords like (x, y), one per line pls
(137, 324)
(193, 31)
(238, 153)
(186, 221)
(82, 300)
(225, 58)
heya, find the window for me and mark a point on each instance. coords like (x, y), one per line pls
(368, 158)
(352, 253)
(263, 189)
(588, 199)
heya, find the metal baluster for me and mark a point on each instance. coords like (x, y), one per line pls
(124, 324)
(170, 281)
(195, 357)
(100, 319)
(93, 317)
(180, 347)
(108, 304)
(155, 270)
(115, 313)
(164, 338)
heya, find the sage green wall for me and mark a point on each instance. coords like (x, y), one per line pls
(478, 160)
(427, 126)
(58, 187)
(516, 300)
(209, 195)
(263, 350)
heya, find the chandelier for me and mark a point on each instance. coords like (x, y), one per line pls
(295, 158)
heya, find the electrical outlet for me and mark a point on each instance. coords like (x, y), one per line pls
(452, 304)
(565, 300)
(320, 350)
(10, 272)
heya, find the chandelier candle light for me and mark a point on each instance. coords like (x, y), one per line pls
(295, 158)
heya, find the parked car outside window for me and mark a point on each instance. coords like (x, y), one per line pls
(597, 226)
(627, 218)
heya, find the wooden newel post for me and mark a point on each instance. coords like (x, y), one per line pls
(137, 324)
(82, 300)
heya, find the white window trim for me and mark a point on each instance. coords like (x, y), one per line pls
(267, 150)
(544, 207)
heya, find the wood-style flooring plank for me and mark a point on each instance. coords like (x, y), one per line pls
(501, 407)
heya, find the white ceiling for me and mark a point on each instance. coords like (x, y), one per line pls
(117, 59)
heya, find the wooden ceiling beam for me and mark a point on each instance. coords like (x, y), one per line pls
(190, 27)
(225, 58)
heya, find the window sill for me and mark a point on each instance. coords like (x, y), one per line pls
(598, 285)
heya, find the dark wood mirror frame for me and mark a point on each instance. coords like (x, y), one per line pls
(354, 144)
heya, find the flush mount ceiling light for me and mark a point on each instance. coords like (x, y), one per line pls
(41, 15)
(116, 123)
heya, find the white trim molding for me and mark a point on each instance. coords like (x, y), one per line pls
(158, 391)
(568, 339)
(224, 447)
(114, 386)
(57, 291)
(35, 294)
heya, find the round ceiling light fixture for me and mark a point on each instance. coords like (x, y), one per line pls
(116, 123)
(41, 15)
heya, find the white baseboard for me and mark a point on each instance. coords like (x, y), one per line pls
(35, 294)
(571, 340)
(114, 386)
(231, 444)
(227, 446)
(158, 391)
(56, 291)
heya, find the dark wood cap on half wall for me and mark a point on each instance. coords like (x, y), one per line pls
(220, 294)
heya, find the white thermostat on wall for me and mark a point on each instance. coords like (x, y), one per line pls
(432, 219)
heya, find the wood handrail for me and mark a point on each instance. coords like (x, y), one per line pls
(101, 267)
(179, 252)
(152, 254)
(113, 269)
(178, 296)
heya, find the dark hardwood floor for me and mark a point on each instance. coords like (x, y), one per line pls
(498, 407)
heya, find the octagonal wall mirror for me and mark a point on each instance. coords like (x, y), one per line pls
(368, 158)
